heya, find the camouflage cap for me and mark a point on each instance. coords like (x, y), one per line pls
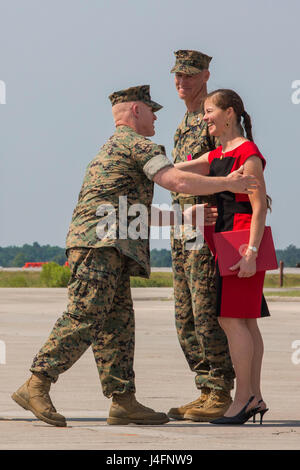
(135, 93)
(190, 62)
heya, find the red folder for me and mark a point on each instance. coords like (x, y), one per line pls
(230, 247)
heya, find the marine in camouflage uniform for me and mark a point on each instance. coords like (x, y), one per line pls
(100, 311)
(201, 338)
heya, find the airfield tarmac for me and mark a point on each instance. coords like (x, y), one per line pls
(163, 380)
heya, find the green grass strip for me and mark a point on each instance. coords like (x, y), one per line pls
(279, 293)
(58, 277)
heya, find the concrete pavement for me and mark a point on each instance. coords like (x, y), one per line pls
(162, 377)
(287, 270)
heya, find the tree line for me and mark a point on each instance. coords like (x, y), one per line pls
(17, 256)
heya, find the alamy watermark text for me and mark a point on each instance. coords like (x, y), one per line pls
(133, 222)
(2, 352)
(2, 92)
(296, 94)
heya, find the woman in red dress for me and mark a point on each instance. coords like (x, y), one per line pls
(240, 297)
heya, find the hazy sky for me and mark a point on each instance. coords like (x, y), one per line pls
(60, 60)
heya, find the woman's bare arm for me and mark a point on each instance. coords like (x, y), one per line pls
(258, 200)
(200, 165)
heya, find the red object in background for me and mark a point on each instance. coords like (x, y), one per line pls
(66, 264)
(189, 158)
(38, 264)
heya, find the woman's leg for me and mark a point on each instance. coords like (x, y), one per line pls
(241, 348)
(257, 358)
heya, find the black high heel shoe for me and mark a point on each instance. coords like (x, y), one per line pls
(239, 418)
(261, 412)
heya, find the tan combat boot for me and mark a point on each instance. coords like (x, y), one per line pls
(218, 403)
(179, 413)
(34, 396)
(125, 409)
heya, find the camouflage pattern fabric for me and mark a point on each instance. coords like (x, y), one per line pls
(136, 93)
(192, 138)
(202, 339)
(99, 314)
(125, 166)
(190, 62)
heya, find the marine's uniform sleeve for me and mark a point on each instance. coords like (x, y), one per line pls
(150, 157)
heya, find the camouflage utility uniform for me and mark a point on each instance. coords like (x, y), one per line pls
(202, 340)
(100, 312)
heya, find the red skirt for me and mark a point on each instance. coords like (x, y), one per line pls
(241, 297)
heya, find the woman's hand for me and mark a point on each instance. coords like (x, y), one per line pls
(210, 214)
(246, 265)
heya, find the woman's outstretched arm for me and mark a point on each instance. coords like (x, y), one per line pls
(200, 165)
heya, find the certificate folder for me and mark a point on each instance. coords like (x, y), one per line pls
(230, 247)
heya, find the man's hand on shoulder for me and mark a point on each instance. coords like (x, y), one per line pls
(240, 183)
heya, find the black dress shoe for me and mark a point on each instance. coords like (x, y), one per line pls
(261, 412)
(239, 418)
